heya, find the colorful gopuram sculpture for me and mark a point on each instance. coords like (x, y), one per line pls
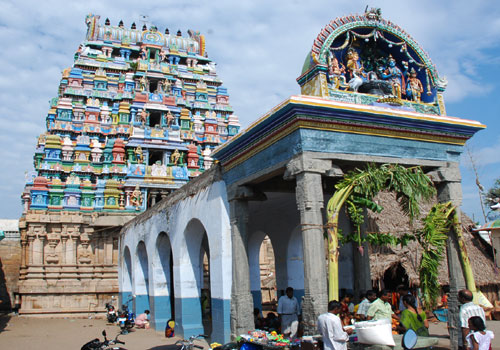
(134, 118)
(366, 59)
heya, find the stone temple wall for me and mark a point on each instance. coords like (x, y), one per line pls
(68, 264)
(10, 261)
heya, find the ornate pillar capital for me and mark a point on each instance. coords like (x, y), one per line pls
(303, 163)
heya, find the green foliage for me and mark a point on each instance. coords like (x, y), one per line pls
(378, 239)
(432, 239)
(411, 186)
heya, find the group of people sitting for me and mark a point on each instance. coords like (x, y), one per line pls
(405, 314)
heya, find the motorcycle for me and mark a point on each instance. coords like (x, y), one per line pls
(126, 318)
(107, 344)
(111, 313)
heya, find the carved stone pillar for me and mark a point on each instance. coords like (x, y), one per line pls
(128, 193)
(241, 299)
(153, 195)
(309, 196)
(29, 251)
(449, 188)
(64, 242)
(24, 252)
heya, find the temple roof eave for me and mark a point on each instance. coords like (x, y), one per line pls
(416, 126)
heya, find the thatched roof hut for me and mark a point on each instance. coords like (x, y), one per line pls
(387, 260)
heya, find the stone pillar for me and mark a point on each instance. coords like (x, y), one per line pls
(153, 195)
(449, 188)
(29, 250)
(241, 299)
(108, 249)
(310, 202)
(24, 251)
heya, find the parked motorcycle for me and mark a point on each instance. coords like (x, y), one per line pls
(107, 344)
(111, 314)
(126, 318)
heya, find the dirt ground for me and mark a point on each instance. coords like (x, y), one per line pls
(27, 333)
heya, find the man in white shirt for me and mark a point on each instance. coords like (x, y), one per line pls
(288, 311)
(365, 304)
(467, 310)
(330, 327)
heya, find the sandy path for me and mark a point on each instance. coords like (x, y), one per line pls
(26, 333)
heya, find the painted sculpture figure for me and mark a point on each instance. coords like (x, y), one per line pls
(414, 87)
(395, 76)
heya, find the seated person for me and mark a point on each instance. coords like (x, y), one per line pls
(271, 322)
(413, 318)
(142, 321)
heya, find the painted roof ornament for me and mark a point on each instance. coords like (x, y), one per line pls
(366, 59)
(374, 14)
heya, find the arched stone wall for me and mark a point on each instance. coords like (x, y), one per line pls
(141, 279)
(254, 243)
(125, 277)
(295, 263)
(180, 226)
(162, 288)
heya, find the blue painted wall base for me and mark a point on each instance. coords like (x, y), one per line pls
(141, 303)
(160, 312)
(188, 317)
(221, 320)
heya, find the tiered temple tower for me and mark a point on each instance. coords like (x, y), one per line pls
(136, 117)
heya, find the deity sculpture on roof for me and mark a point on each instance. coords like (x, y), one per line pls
(175, 157)
(355, 69)
(139, 155)
(136, 198)
(414, 87)
(143, 83)
(336, 71)
(393, 74)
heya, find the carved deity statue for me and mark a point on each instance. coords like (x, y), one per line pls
(143, 116)
(335, 71)
(414, 87)
(144, 53)
(143, 83)
(139, 156)
(170, 119)
(395, 76)
(163, 55)
(166, 87)
(136, 198)
(355, 70)
(175, 157)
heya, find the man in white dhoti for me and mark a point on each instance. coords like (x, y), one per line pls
(288, 311)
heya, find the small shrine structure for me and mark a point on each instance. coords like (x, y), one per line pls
(369, 94)
(136, 116)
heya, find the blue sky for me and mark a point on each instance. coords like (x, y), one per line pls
(259, 47)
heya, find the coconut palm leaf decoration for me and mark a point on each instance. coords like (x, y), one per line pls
(357, 190)
(432, 238)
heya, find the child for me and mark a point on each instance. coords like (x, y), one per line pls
(479, 338)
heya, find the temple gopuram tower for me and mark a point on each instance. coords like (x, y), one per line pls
(136, 117)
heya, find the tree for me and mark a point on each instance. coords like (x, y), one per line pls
(357, 190)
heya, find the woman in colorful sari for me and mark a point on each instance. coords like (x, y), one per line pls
(413, 318)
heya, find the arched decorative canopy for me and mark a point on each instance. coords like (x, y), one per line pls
(372, 56)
